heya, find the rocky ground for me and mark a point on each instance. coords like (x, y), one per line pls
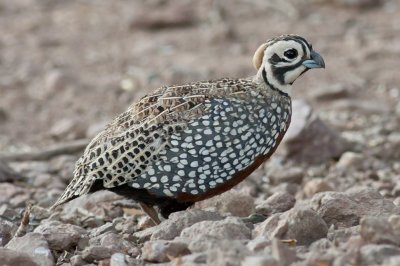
(331, 193)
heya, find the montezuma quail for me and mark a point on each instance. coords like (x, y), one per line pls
(182, 144)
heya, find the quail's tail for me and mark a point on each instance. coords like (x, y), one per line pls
(79, 185)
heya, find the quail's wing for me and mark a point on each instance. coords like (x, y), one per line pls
(123, 151)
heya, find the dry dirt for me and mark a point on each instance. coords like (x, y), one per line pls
(68, 67)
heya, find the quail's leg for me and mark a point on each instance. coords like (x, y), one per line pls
(151, 212)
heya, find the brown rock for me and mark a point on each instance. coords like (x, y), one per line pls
(346, 209)
(376, 230)
(163, 251)
(34, 245)
(278, 202)
(315, 186)
(15, 258)
(229, 228)
(309, 139)
(231, 202)
(300, 223)
(61, 236)
(94, 253)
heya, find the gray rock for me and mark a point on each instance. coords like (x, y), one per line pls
(117, 243)
(344, 209)
(315, 186)
(227, 253)
(61, 236)
(35, 245)
(15, 258)
(231, 202)
(343, 234)
(377, 230)
(309, 139)
(7, 230)
(373, 254)
(191, 259)
(300, 223)
(258, 244)
(163, 250)
(176, 222)
(229, 228)
(394, 220)
(278, 202)
(260, 260)
(282, 253)
(291, 175)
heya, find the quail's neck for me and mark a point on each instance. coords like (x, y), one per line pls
(264, 84)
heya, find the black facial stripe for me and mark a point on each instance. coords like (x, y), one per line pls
(276, 59)
(279, 72)
(264, 75)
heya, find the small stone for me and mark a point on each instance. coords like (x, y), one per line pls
(15, 258)
(77, 260)
(260, 260)
(56, 80)
(60, 236)
(227, 253)
(291, 175)
(300, 223)
(394, 220)
(163, 250)
(375, 230)
(93, 253)
(176, 222)
(35, 245)
(278, 202)
(351, 160)
(374, 254)
(315, 186)
(344, 209)
(229, 228)
(119, 259)
(344, 234)
(231, 202)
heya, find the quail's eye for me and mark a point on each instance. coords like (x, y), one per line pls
(290, 54)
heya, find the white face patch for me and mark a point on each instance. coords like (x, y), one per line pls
(292, 75)
(278, 49)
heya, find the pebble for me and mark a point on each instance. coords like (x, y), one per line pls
(315, 186)
(163, 250)
(300, 223)
(15, 258)
(278, 202)
(231, 202)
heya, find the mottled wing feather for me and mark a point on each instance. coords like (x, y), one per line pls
(133, 140)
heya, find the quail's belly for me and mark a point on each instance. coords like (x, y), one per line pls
(212, 149)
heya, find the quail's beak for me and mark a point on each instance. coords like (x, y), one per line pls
(316, 61)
